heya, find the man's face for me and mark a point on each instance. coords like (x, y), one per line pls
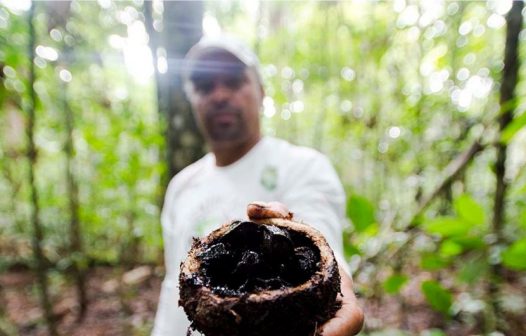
(226, 98)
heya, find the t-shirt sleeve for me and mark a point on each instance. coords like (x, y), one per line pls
(314, 193)
(170, 318)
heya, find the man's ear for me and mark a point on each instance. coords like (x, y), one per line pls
(188, 88)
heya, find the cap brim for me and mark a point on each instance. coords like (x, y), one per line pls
(209, 45)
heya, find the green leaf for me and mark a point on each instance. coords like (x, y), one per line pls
(472, 270)
(372, 230)
(433, 262)
(513, 128)
(349, 250)
(449, 248)
(468, 209)
(514, 256)
(394, 283)
(447, 227)
(361, 212)
(470, 243)
(438, 297)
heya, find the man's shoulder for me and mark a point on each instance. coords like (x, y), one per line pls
(290, 151)
(189, 172)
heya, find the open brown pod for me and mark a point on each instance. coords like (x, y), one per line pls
(267, 276)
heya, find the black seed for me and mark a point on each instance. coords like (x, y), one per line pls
(252, 258)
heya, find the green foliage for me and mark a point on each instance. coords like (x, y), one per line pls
(514, 256)
(513, 128)
(394, 283)
(392, 92)
(349, 250)
(433, 262)
(470, 242)
(473, 270)
(450, 248)
(117, 138)
(438, 297)
(361, 212)
(469, 210)
(448, 227)
(470, 219)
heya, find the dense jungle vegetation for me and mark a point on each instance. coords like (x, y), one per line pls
(420, 105)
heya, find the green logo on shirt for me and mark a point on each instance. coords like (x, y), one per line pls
(269, 178)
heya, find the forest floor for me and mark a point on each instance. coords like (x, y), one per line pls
(124, 303)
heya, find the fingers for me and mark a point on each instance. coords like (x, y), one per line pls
(349, 319)
(262, 210)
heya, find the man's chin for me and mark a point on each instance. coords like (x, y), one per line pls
(227, 135)
(226, 142)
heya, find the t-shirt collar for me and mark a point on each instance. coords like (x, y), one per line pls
(244, 159)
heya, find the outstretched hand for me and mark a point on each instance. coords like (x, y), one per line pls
(349, 319)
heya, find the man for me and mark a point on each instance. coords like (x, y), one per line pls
(224, 87)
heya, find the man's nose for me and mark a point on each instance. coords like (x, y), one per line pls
(220, 92)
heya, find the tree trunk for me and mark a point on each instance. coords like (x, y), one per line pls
(182, 27)
(507, 106)
(75, 235)
(37, 237)
(58, 16)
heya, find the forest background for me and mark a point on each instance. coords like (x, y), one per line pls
(419, 104)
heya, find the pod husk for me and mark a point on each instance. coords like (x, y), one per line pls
(290, 311)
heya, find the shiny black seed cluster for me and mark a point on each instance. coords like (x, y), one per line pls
(253, 257)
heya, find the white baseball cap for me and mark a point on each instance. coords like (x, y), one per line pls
(228, 43)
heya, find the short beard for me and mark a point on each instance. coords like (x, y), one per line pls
(233, 132)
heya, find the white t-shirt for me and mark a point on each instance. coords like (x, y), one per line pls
(203, 196)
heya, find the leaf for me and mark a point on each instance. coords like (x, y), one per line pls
(349, 250)
(447, 227)
(438, 297)
(361, 212)
(433, 262)
(372, 230)
(449, 248)
(472, 270)
(513, 128)
(514, 256)
(394, 283)
(470, 243)
(468, 209)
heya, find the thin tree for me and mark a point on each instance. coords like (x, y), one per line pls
(75, 232)
(58, 15)
(507, 107)
(38, 235)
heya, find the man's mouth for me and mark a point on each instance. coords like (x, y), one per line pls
(224, 118)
